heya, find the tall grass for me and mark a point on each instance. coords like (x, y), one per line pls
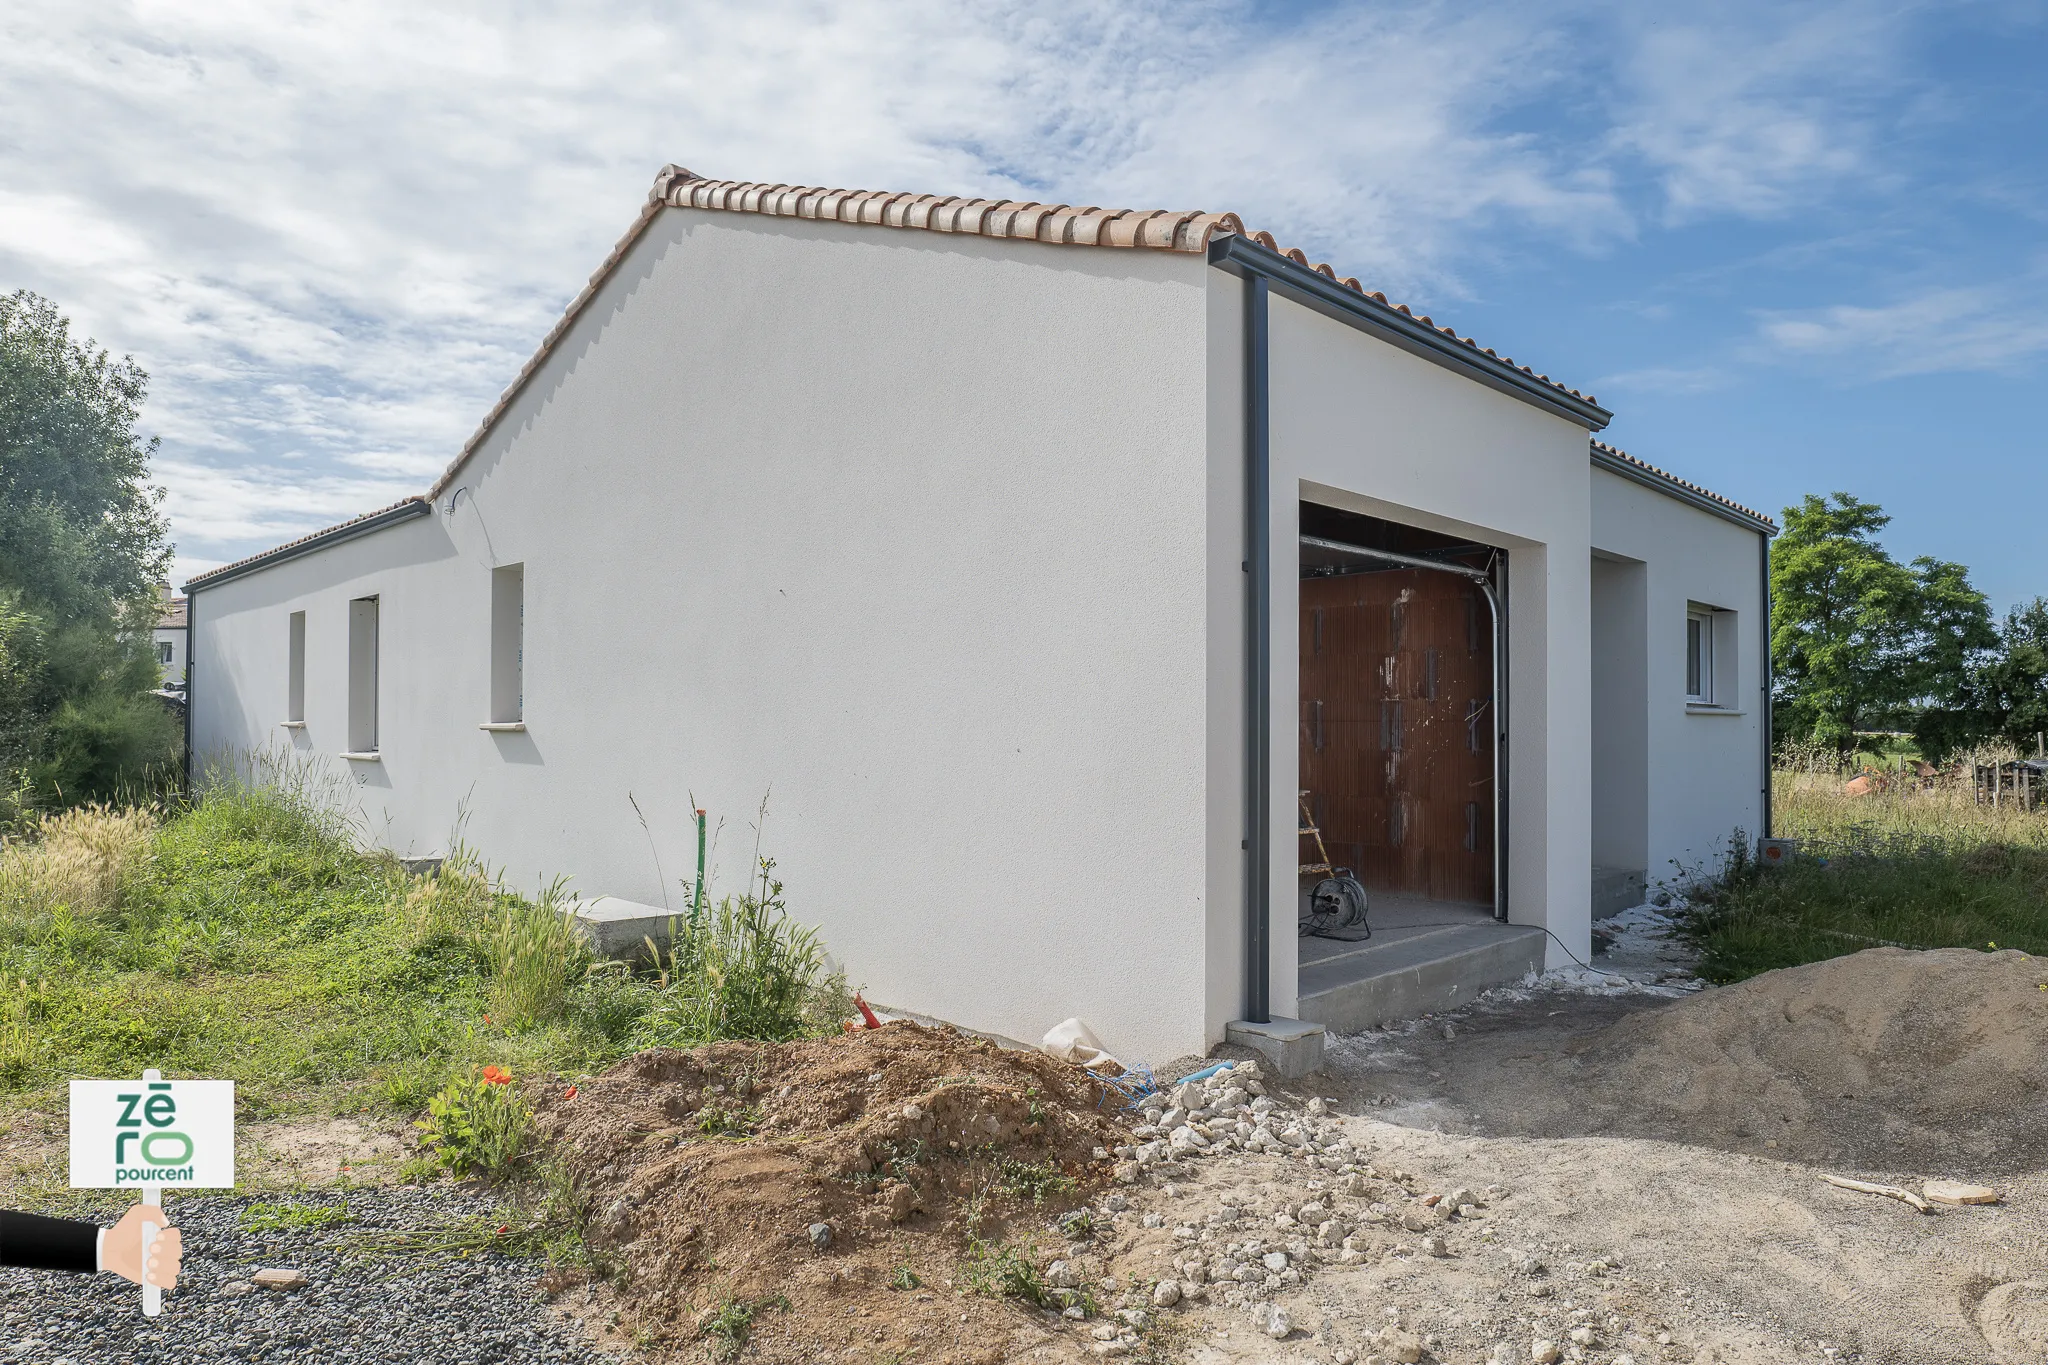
(1919, 866)
(538, 955)
(77, 861)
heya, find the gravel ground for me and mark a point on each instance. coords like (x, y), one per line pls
(444, 1310)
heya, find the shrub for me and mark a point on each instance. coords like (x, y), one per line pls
(478, 1125)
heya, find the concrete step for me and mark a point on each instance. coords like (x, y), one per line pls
(1420, 973)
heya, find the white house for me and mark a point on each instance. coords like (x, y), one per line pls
(167, 638)
(1032, 561)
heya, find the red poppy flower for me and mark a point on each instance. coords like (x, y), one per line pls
(496, 1075)
(570, 1093)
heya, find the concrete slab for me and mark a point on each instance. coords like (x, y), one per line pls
(1293, 1046)
(1359, 986)
(620, 928)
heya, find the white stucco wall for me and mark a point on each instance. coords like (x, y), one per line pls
(1705, 766)
(1362, 425)
(172, 670)
(906, 533)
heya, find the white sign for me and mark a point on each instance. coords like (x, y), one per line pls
(152, 1133)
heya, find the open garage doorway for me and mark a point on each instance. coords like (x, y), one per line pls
(1400, 728)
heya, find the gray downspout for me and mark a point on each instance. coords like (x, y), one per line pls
(1258, 566)
(191, 672)
(1763, 589)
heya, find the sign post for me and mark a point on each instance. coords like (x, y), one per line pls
(150, 1135)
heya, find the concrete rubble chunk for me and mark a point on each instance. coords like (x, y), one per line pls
(1399, 1345)
(1956, 1192)
(280, 1279)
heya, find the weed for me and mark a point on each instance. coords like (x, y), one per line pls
(262, 1217)
(745, 970)
(728, 1328)
(1029, 1180)
(1003, 1272)
(545, 1220)
(478, 1126)
(904, 1278)
(729, 1121)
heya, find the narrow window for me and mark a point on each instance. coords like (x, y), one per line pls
(362, 675)
(1475, 711)
(163, 651)
(1699, 658)
(508, 644)
(1471, 826)
(1390, 726)
(295, 671)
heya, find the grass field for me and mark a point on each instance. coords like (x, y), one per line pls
(249, 937)
(1922, 868)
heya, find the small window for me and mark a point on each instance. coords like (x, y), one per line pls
(163, 651)
(362, 675)
(1699, 658)
(295, 670)
(508, 644)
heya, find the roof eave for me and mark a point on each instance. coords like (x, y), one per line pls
(319, 540)
(1614, 462)
(1311, 288)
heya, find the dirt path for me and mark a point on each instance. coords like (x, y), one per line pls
(1653, 1249)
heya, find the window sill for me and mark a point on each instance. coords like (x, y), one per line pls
(293, 724)
(363, 756)
(1694, 708)
(504, 727)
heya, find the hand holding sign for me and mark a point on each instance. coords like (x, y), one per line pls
(121, 1253)
(150, 1134)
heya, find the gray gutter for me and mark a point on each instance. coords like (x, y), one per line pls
(1671, 488)
(1312, 289)
(319, 540)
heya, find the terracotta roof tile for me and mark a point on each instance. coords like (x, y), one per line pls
(1668, 477)
(1058, 224)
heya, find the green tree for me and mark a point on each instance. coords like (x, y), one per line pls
(1860, 641)
(82, 550)
(2012, 686)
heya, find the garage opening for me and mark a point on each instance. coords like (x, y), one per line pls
(1400, 726)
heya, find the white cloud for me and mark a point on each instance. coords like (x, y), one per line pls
(333, 232)
(1759, 110)
(1997, 330)
(1667, 379)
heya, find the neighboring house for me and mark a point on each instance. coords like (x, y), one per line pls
(169, 638)
(1030, 560)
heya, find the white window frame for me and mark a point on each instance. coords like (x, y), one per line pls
(1699, 656)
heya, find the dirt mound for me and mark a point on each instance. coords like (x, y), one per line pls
(711, 1171)
(1889, 1059)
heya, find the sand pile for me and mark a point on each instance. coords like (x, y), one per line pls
(1889, 1059)
(838, 1173)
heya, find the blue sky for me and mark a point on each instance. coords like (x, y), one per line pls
(1795, 247)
